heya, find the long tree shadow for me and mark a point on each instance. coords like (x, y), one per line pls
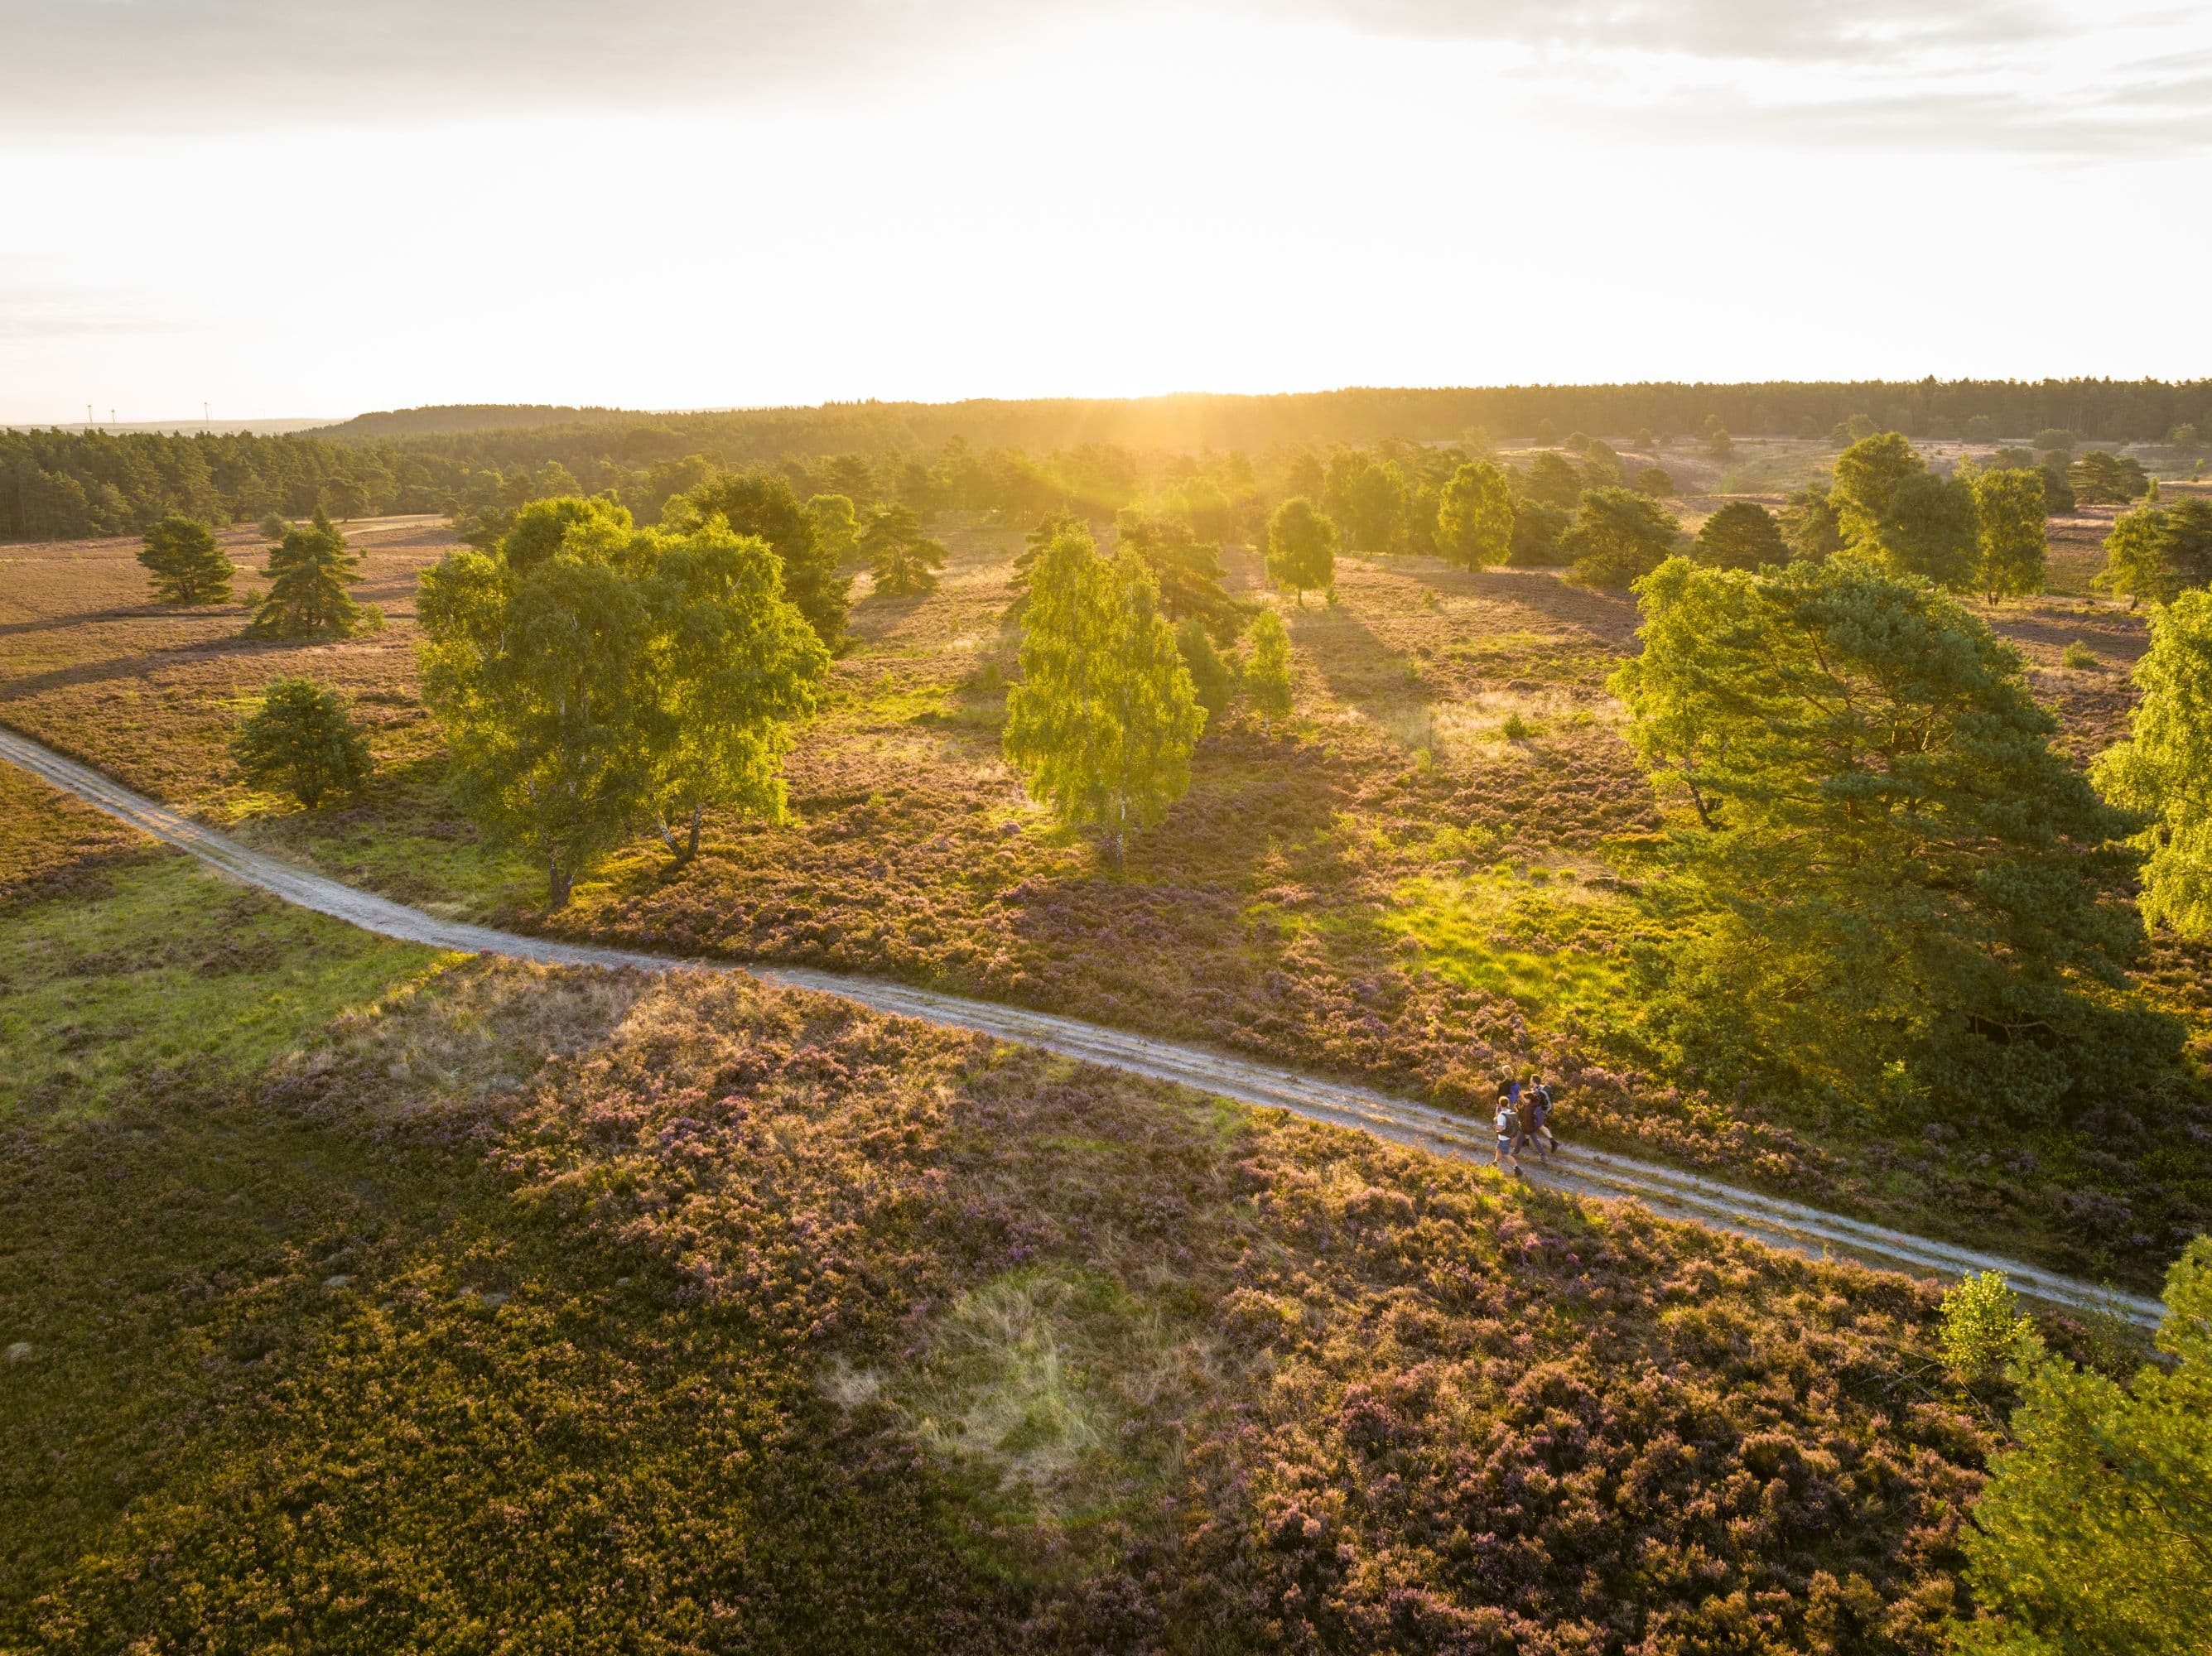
(88, 617)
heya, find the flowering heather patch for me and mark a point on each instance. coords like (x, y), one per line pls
(1370, 890)
(681, 1315)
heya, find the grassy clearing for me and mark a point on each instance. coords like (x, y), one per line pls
(134, 961)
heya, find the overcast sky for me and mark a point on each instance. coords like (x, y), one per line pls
(286, 207)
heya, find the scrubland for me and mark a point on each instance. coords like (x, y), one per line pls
(483, 1306)
(1426, 877)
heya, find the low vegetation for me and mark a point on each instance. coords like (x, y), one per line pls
(771, 1323)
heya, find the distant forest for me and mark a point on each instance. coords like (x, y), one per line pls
(58, 485)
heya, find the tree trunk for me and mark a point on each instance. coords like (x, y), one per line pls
(692, 850)
(558, 880)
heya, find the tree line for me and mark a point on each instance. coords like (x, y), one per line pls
(2101, 410)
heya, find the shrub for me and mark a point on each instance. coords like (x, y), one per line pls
(185, 563)
(302, 740)
(2079, 656)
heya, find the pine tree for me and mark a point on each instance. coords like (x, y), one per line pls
(1104, 722)
(185, 563)
(1267, 674)
(903, 563)
(301, 739)
(1211, 676)
(1617, 536)
(1741, 535)
(1895, 881)
(308, 573)
(2093, 1533)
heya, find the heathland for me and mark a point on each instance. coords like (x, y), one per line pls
(1427, 876)
(392, 1301)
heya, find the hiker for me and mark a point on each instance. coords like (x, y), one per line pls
(1539, 1118)
(1507, 1125)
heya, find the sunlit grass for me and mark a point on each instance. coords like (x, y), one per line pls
(171, 966)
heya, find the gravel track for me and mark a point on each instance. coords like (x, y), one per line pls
(1667, 1190)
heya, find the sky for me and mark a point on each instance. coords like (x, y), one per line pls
(278, 208)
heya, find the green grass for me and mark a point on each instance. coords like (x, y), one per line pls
(1542, 942)
(168, 967)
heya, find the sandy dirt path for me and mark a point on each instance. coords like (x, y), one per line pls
(1669, 1191)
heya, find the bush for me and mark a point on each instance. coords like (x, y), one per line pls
(2079, 656)
(303, 741)
(1657, 481)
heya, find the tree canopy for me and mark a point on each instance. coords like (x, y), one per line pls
(185, 563)
(309, 573)
(1104, 722)
(2164, 769)
(1741, 535)
(755, 503)
(2011, 548)
(302, 740)
(1617, 536)
(1267, 674)
(2158, 552)
(1553, 480)
(904, 563)
(2093, 1533)
(1895, 884)
(1474, 517)
(1301, 547)
(616, 676)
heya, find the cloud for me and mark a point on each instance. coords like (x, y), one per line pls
(1959, 76)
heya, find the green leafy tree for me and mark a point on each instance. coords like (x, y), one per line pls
(730, 664)
(837, 529)
(1368, 498)
(1474, 517)
(538, 676)
(272, 527)
(1716, 439)
(346, 495)
(1211, 676)
(2164, 769)
(2102, 478)
(1657, 481)
(2053, 440)
(755, 503)
(1302, 548)
(309, 573)
(1868, 477)
(1104, 722)
(590, 676)
(2094, 1534)
(301, 739)
(1552, 481)
(2158, 552)
(1812, 525)
(1267, 673)
(2057, 493)
(904, 564)
(1537, 529)
(2010, 546)
(185, 563)
(1617, 536)
(1741, 535)
(1600, 465)
(1894, 887)
(1929, 530)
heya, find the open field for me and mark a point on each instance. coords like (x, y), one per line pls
(1387, 887)
(773, 1324)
